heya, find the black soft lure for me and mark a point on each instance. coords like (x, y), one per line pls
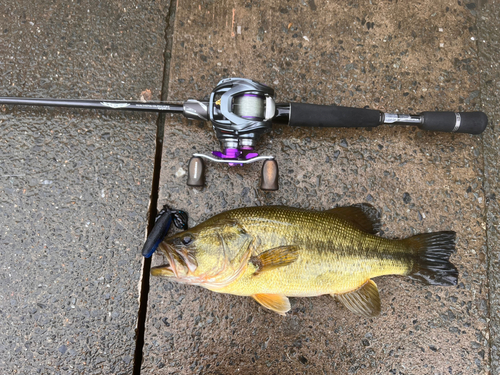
(162, 224)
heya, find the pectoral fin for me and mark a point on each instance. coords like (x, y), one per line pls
(274, 302)
(273, 258)
(364, 301)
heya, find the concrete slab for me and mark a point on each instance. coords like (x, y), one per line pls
(391, 56)
(489, 47)
(74, 185)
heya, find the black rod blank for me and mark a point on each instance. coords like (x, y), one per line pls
(96, 104)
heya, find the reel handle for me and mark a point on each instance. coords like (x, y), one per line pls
(301, 114)
(196, 172)
(269, 176)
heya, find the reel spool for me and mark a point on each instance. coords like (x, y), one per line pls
(241, 109)
(250, 106)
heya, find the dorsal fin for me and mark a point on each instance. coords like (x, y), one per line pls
(363, 215)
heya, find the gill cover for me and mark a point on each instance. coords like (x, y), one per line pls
(211, 254)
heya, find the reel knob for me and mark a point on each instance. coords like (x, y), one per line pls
(270, 175)
(196, 172)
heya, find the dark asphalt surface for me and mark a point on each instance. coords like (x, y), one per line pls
(75, 185)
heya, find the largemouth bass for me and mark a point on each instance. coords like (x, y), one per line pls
(272, 253)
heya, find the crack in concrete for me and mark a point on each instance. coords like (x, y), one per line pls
(160, 127)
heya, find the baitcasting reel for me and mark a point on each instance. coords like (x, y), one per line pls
(241, 110)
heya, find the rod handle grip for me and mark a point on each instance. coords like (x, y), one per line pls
(331, 116)
(458, 122)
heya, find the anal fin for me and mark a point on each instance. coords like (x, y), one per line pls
(364, 301)
(275, 302)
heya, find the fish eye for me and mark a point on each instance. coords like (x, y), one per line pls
(186, 240)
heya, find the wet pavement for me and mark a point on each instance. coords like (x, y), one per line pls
(489, 57)
(75, 185)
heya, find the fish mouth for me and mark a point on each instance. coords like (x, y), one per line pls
(164, 270)
(168, 269)
(181, 259)
(179, 262)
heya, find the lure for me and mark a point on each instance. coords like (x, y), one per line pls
(163, 221)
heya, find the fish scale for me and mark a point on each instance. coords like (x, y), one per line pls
(334, 257)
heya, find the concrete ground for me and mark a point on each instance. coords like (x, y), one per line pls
(75, 184)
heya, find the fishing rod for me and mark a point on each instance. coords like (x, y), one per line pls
(241, 110)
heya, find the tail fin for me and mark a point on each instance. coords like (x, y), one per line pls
(432, 253)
